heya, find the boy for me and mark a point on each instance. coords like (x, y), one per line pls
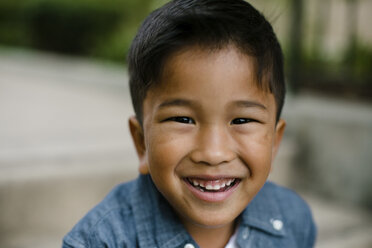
(207, 86)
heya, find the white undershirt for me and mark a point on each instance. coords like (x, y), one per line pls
(232, 241)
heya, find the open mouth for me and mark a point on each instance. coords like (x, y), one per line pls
(213, 186)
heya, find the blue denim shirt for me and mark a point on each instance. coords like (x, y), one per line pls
(135, 214)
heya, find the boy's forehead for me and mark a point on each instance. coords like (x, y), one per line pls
(200, 52)
(219, 73)
(197, 61)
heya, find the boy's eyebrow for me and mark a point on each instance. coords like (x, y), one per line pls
(184, 102)
(244, 103)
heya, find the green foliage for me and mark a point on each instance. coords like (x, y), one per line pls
(359, 58)
(102, 28)
(353, 62)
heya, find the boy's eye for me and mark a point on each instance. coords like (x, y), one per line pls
(181, 119)
(238, 121)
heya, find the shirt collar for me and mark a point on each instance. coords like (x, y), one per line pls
(155, 219)
(264, 213)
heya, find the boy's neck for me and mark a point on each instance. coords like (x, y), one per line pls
(211, 237)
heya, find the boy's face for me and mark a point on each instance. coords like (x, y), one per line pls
(209, 135)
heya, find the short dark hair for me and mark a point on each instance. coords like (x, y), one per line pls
(211, 24)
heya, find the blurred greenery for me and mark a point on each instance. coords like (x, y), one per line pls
(349, 75)
(105, 29)
(356, 60)
(79, 27)
(310, 67)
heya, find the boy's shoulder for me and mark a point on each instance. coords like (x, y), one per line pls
(282, 197)
(105, 220)
(282, 213)
(133, 214)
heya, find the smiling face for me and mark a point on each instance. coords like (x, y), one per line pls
(209, 135)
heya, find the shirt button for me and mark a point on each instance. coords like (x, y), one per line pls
(189, 246)
(277, 224)
(245, 233)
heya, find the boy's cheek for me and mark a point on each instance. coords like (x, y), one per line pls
(165, 140)
(164, 157)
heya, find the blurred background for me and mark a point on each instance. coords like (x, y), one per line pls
(64, 106)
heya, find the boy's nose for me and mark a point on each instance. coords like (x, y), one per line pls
(213, 147)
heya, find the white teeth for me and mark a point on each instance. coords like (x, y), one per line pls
(230, 182)
(217, 187)
(211, 185)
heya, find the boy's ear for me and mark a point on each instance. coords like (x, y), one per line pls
(279, 131)
(139, 143)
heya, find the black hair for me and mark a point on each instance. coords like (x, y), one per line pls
(211, 24)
